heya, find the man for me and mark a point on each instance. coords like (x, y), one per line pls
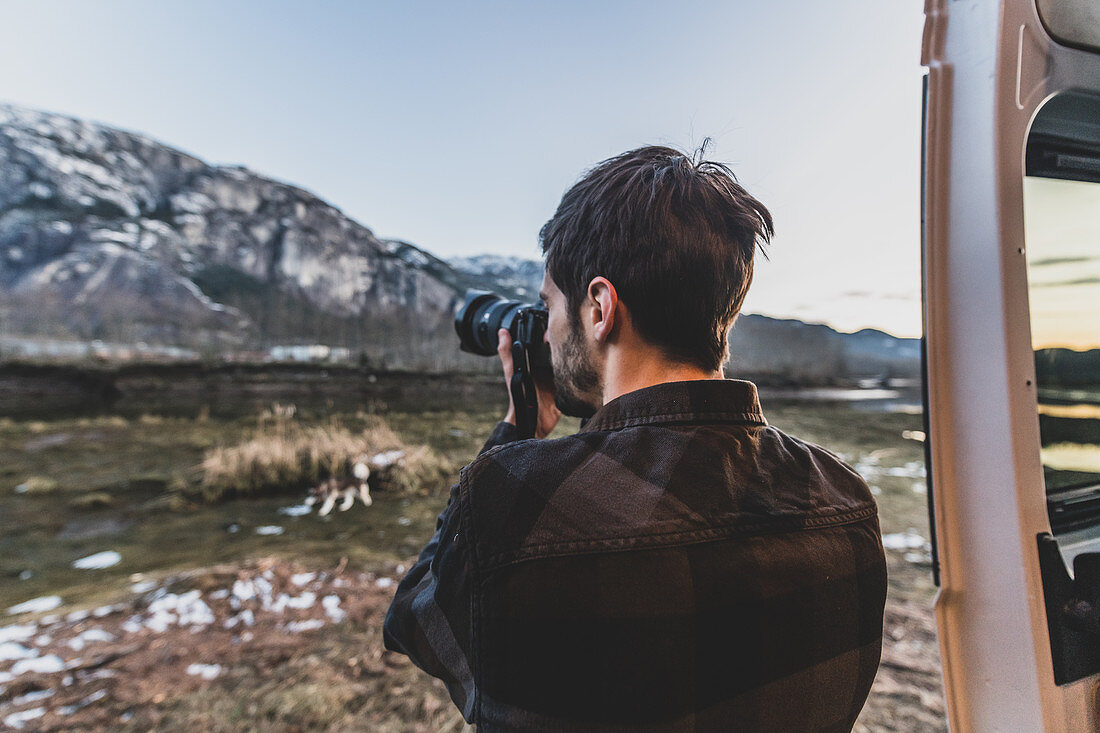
(678, 564)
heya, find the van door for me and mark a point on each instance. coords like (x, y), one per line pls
(1011, 229)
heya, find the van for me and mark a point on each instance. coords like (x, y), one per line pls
(1011, 282)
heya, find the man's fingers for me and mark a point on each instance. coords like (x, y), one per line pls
(504, 351)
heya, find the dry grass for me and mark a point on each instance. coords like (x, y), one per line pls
(282, 454)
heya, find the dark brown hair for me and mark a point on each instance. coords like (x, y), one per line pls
(674, 234)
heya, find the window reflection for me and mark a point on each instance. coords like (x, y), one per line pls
(1062, 228)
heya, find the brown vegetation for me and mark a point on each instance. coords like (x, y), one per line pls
(282, 454)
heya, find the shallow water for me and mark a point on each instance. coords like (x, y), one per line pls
(127, 463)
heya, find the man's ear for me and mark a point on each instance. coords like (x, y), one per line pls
(604, 304)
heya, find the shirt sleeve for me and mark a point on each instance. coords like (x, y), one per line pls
(430, 619)
(503, 434)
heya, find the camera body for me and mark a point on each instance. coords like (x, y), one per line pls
(477, 321)
(483, 313)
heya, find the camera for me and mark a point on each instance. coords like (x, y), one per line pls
(483, 313)
(477, 321)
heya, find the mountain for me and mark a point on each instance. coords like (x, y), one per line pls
(513, 277)
(109, 235)
(777, 350)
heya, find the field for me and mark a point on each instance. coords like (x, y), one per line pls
(152, 605)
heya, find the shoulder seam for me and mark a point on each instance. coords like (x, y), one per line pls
(774, 525)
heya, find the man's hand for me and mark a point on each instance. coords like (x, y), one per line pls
(549, 414)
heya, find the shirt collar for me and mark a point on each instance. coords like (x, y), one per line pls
(705, 400)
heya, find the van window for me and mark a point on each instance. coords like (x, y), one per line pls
(1062, 231)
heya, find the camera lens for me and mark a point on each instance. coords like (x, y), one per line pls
(480, 317)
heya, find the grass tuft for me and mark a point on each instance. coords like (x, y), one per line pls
(283, 455)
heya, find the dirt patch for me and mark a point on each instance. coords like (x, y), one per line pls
(273, 645)
(269, 645)
(908, 692)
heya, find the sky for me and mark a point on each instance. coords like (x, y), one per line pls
(458, 126)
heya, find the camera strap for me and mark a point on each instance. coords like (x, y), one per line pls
(524, 395)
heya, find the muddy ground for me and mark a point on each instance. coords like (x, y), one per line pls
(275, 646)
(204, 617)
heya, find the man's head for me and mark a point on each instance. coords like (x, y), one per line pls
(674, 235)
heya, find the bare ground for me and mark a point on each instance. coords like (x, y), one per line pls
(273, 646)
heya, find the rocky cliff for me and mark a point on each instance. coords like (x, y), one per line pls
(109, 235)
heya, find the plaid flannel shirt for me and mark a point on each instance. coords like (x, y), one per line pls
(677, 565)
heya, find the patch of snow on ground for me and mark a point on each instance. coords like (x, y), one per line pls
(298, 510)
(269, 529)
(331, 604)
(87, 637)
(185, 609)
(10, 651)
(32, 697)
(18, 720)
(299, 626)
(206, 671)
(245, 617)
(384, 583)
(306, 600)
(284, 601)
(300, 579)
(259, 589)
(98, 561)
(36, 605)
(42, 665)
(17, 632)
(244, 590)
